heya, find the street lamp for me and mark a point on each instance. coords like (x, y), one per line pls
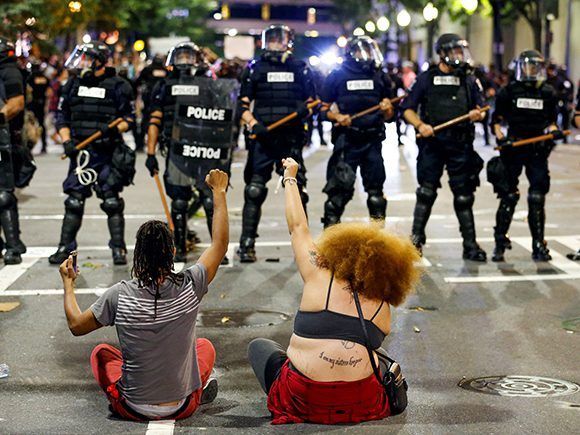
(469, 5)
(87, 38)
(430, 12)
(75, 6)
(370, 26)
(404, 19)
(383, 24)
(341, 41)
(358, 32)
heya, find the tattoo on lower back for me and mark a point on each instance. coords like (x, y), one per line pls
(347, 344)
(352, 362)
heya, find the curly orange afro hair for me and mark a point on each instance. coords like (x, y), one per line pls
(378, 264)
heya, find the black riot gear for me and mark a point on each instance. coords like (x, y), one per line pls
(7, 48)
(530, 66)
(453, 50)
(277, 39)
(87, 58)
(364, 51)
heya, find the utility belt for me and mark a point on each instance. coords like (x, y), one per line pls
(457, 134)
(359, 134)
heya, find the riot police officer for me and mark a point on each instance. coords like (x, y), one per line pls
(357, 85)
(90, 101)
(39, 84)
(444, 92)
(192, 116)
(278, 84)
(528, 105)
(11, 121)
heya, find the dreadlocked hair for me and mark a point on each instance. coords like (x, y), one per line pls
(153, 256)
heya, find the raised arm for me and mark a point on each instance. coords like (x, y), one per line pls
(212, 257)
(302, 243)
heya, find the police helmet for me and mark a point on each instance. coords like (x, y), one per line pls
(364, 50)
(277, 38)
(530, 66)
(89, 57)
(7, 48)
(453, 50)
(185, 56)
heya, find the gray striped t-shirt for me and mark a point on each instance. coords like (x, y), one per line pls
(159, 354)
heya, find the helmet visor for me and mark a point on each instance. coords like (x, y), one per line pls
(457, 54)
(530, 69)
(365, 51)
(79, 59)
(185, 56)
(277, 39)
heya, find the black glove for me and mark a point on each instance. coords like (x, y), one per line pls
(2, 119)
(505, 142)
(105, 131)
(152, 164)
(259, 130)
(70, 148)
(558, 134)
(303, 111)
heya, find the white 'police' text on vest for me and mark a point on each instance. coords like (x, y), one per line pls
(530, 103)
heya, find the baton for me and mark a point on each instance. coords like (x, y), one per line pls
(93, 137)
(453, 121)
(287, 118)
(164, 202)
(532, 140)
(372, 109)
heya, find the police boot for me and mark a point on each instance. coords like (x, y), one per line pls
(377, 205)
(254, 196)
(114, 206)
(74, 207)
(426, 195)
(179, 216)
(10, 226)
(333, 210)
(503, 219)
(536, 222)
(463, 209)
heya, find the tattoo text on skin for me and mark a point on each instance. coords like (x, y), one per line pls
(339, 361)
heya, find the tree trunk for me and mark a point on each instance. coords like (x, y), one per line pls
(497, 44)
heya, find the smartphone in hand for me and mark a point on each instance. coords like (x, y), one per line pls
(74, 259)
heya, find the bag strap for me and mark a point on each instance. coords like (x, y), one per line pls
(367, 340)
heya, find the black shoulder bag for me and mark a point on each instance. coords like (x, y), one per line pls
(393, 380)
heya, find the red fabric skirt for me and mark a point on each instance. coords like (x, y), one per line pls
(293, 398)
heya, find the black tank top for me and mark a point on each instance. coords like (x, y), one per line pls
(328, 324)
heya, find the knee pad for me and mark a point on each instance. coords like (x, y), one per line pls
(113, 205)
(511, 198)
(426, 193)
(255, 192)
(537, 198)
(74, 204)
(7, 199)
(179, 206)
(377, 203)
(463, 202)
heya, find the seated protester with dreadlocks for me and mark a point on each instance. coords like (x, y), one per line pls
(325, 376)
(162, 369)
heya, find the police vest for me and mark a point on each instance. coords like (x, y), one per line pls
(280, 88)
(530, 110)
(168, 105)
(93, 106)
(447, 97)
(358, 90)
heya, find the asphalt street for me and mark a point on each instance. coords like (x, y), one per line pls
(518, 321)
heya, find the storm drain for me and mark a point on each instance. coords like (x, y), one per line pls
(240, 319)
(520, 386)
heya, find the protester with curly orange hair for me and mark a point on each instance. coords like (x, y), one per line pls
(325, 376)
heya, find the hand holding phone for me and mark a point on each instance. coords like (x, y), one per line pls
(74, 259)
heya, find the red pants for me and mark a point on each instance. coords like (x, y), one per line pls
(106, 363)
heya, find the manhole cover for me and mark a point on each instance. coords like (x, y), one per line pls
(572, 324)
(239, 319)
(520, 386)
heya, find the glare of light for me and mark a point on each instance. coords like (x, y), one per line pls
(314, 60)
(341, 41)
(469, 5)
(75, 7)
(113, 38)
(139, 45)
(225, 12)
(143, 56)
(311, 33)
(311, 16)
(358, 31)
(217, 16)
(550, 17)
(430, 12)
(86, 38)
(370, 26)
(383, 24)
(30, 21)
(404, 19)
(329, 58)
(339, 60)
(425, 66)
(232, 32)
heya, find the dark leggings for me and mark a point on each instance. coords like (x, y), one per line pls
(267, 358)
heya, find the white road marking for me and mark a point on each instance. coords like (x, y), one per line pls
(476, 279)
(558, 260)
(12, 273)
(160, 427)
